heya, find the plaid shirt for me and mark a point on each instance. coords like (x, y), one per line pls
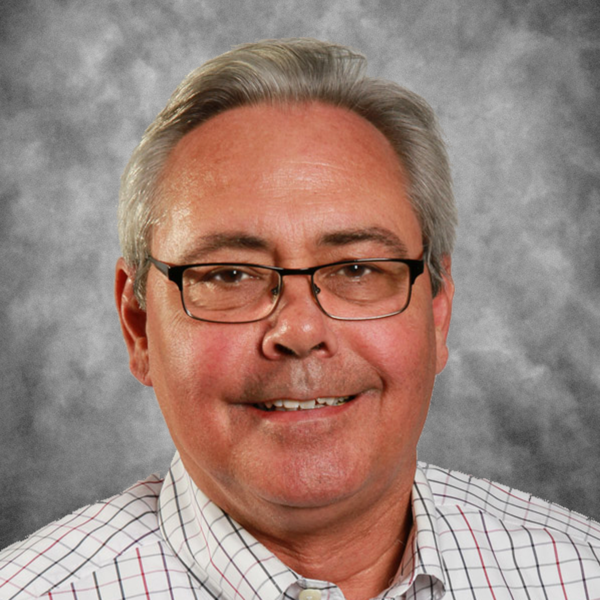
(471, 539)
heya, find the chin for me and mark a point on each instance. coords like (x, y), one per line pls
(314, 484)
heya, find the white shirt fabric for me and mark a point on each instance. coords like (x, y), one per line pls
(471, 539)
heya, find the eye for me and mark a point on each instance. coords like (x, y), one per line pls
(356, 270)
(223, 276)
(227, 275)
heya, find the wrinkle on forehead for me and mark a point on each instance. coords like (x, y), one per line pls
(243, 165)
(352, 133)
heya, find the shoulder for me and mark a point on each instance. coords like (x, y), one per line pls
(81, 543)
(452, 489)
(493, 536)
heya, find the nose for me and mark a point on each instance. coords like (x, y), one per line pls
(298, 327)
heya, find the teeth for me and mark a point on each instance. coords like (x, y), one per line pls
(307, 405)
(288, 405)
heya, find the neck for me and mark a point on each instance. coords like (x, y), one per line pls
(361, 557)
(355, 542)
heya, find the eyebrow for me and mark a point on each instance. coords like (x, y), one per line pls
(220, 241)
(369, 234)
(345, 237)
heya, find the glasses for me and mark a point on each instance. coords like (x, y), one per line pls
(350, 290)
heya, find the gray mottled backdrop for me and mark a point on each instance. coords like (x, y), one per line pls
(517, 87)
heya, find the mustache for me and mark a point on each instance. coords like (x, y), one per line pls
(307, 380)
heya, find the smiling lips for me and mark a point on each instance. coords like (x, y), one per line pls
(292, 405)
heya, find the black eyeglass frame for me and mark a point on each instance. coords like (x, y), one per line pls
(174, 273)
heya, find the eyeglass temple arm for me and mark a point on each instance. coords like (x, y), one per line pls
(161, 266)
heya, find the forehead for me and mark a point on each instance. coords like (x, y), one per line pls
(282, 173)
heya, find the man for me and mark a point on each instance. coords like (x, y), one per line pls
(285, 287)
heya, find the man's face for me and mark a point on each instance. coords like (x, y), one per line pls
(296, 186)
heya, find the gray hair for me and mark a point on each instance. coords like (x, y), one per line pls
(283, 71)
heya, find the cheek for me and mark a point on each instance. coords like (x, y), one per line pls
(401, 348)
(191, 369)
(404, 354)
(195, 363)
(222, 355)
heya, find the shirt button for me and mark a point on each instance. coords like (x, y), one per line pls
(310, 595)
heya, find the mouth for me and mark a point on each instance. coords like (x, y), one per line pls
(285, 405)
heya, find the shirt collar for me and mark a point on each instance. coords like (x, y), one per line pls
(421, 564)
(232, 564)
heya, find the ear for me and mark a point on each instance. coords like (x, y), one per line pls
(442, 311)
(133, 323)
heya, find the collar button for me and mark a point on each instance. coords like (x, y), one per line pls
(310, 594)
